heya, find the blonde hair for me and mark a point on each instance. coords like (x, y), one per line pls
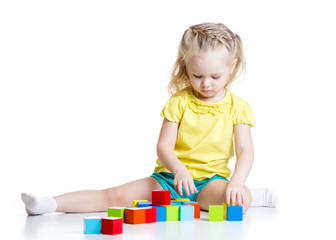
(202, 37)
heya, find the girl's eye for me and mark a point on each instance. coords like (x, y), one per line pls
(197, 76)
(216, 77)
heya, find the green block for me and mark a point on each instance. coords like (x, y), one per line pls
(116, 212)
(216, 213)
(173, 212)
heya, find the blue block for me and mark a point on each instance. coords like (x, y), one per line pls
(144, 204)
(92, 225)
(161, 213)
(176, 203)
(234, 213)
(187, 213)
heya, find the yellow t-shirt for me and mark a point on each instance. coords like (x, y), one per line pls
(204, 141)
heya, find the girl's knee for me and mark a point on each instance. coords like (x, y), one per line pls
(114, 196)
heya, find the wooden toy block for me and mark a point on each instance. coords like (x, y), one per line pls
(135, 215)
(173, 212)
(161, 213)
(197, 208)
(160, 197)
(176, 203)
(216, 213)
(92, 225)
(111, 225)
(150, 215)
(225, 210)
(187, 213)
(116, 212)
(181, 200)
(136, 202)
(145, 204)
(234, 213)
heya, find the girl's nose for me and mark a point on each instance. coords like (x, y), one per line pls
(206, 83)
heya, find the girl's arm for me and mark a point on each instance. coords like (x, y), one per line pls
(244, 156)
(165, 151)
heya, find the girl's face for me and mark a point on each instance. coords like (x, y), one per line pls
(209, 72)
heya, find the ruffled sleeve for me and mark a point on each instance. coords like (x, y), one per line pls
(174, 108)
(242, 112)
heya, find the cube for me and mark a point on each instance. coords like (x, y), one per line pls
(187, 213)
(116, 212)
(150, 214)
(92, 225)
(135, 215)
(216, 213)
(173, 212)
(144, 204)
(197, 208)
(160, 197)
(136, 202)
(176, 203)
(234, 213)
(111, 225)
(161, 213)
(225, 210)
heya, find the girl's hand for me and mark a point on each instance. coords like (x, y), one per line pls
(183, 179)
(234, 193)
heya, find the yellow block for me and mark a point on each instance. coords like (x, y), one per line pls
(135, 202)
(225, 210)
(181, 200)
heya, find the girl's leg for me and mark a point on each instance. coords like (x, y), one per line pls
(214, 193)
(100, 200)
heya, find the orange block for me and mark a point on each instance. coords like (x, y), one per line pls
(197, 208)
(135, 215)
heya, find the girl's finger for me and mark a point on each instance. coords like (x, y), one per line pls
(239, 198)
(233, 198)
(186, 188)
(191, 188)
(178, 187)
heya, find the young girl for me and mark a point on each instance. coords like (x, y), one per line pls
(196, 139)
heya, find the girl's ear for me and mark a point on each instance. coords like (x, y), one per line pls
(233, 66)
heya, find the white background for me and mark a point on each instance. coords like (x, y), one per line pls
(82, 84)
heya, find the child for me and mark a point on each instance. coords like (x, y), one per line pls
(196, 138)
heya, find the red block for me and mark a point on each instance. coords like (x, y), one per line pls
(135, 215)
(150, 214)
(111, 225)
(197, 208)
(160, 197)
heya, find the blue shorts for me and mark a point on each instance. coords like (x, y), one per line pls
(167, 182)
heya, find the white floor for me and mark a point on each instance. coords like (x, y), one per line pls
(259, 223)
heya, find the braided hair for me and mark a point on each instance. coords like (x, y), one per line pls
(203, 37)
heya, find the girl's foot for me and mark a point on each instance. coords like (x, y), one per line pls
(38, 205)
(264, 197)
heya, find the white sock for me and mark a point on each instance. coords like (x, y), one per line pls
(264, 197)
(38, 205)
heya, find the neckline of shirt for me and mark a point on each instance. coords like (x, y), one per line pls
(220, 102)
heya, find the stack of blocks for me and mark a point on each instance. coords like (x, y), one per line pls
(227, 212)
(161, 209)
